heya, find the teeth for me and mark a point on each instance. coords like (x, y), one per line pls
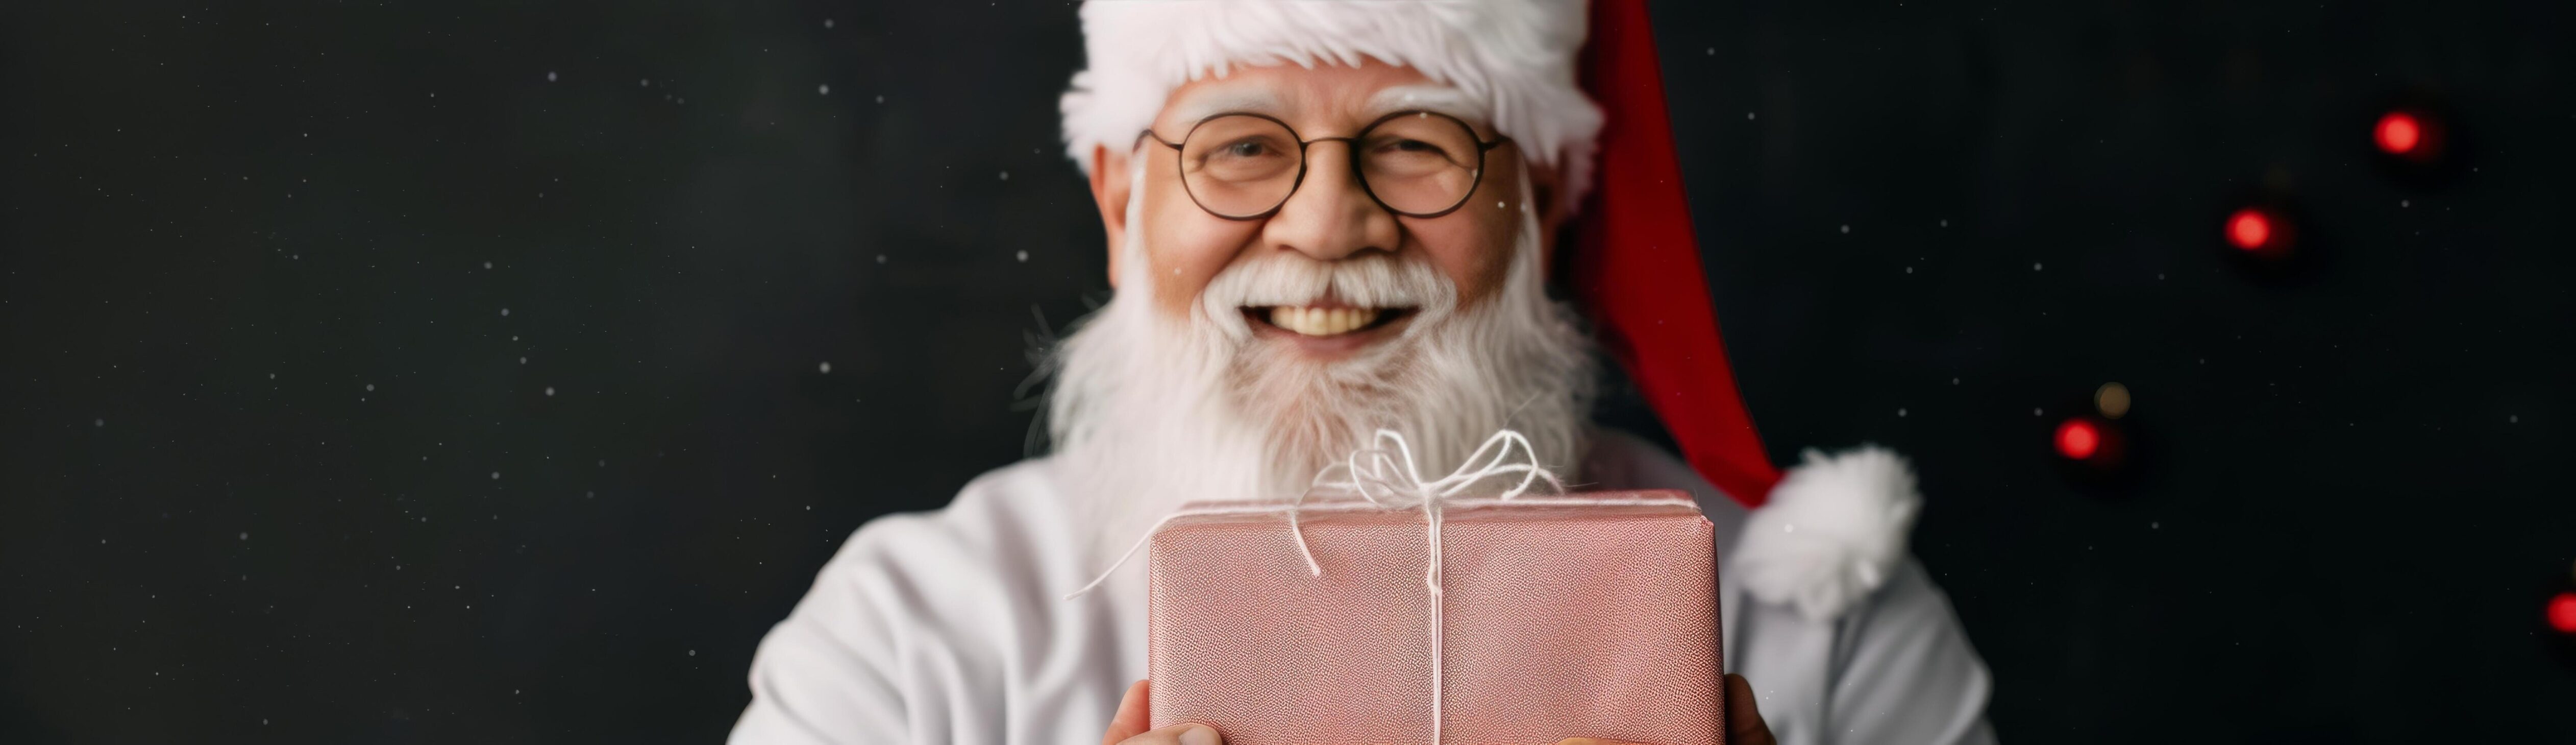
(1322, 321)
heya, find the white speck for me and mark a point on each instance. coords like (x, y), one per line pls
(1900, 413)
(1909, 270)
(433, 95)
(1023, 256)
(693, 653)
(1789, 528)
(1712, 51)
(825, 367)
(880, 98)
(880, 258)
(272, 376)
(2155, 526)
(2513, 419)
(1945, 223)
(496, 475)
(99, 423)
(825, 89)
(1846, 230)
(245, 535)
(550, 390)
(2034, 266)
(645, 83)
(550, 76)
(1748, 116)
(523, 360)
(371, 386)
(1006, 175)
(1954, 381)
(2405, 203)
(487, 265)
(827, 23)
(2160, 275)
(2034, 411)
(505, 311)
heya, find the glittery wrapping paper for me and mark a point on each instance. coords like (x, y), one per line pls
(1559, 621)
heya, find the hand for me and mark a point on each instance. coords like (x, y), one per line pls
(1744, 724)
(1128, 727)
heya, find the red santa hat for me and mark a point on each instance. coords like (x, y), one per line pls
(1822, 535)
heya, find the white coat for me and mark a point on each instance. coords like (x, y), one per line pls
(947, 628)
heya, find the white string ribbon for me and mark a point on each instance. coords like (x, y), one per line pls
(1385, 477)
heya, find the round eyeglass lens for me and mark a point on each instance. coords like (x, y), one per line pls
(1420, 163)
(1240, 165)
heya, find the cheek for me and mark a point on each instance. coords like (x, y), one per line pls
(1474, 244)
(1186, 248)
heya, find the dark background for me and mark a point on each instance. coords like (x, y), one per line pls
(279, 467)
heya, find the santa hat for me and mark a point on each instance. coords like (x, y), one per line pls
(1821, 536)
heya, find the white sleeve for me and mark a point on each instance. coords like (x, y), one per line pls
(944, 628)
(828, 674)
(1903, 670)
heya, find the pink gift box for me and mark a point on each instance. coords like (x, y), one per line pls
(1556, 620)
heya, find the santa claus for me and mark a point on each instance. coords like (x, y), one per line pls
(1324, 219)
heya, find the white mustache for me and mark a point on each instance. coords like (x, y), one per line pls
(1375, 279)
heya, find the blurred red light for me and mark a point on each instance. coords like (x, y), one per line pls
(2562, 612)
(2249, 229)
(2398, 133)
(2078, 439)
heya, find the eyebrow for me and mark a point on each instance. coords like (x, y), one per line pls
(1211, 103)
(1438, 99)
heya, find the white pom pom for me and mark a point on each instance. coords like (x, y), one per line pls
(1832, 531)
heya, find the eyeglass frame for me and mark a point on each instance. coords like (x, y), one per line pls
(1180, 165)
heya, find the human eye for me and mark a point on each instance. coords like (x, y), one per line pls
(1245, 149)
(1247, 158)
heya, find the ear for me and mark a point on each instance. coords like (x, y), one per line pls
(1110, 183)
(1552, 212)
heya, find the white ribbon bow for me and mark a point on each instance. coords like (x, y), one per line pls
(1383, 479)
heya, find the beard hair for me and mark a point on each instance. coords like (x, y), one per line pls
(1148, 412)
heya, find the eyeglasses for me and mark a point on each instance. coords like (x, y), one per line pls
(1243, 166)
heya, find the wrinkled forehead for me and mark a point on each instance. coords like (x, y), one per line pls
(1320, 101)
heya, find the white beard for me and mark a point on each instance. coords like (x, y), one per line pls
(1148, 412)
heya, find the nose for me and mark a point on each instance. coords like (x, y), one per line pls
(1330, 216)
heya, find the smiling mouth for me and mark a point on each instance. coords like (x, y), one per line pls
(1325, 321)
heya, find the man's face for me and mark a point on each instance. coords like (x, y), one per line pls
(1239, 356)
(1330, 217)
